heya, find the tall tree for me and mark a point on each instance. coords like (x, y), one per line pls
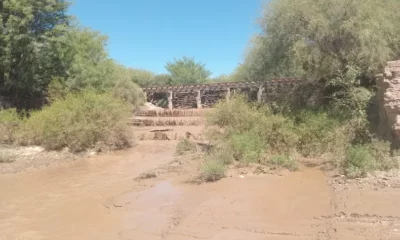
(187, 71)
(30, 30)
(323, 39)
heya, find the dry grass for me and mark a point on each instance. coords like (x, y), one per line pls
(185, 146)
(6, 156)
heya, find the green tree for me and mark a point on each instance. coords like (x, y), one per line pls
(89, 67)
(322, 39)
(85, 57)
(187, 71)
(222, 78)
(141, 77)
(30, 31)
(161, 80)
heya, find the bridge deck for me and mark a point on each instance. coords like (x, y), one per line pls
(219, 86)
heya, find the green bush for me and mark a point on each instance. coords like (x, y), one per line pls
(247, 147)
(185, 146)
(80, 121)
(253, 131)
(359, 161)
(319, 133)
(382, 152)
(362, 159)
(10, 122)
(128, 91)
(284, 161)
(237, 114)
(213, 170)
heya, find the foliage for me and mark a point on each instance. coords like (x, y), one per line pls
(185, 146)
(81, 121)
(320, 132)
(339, 46)
(359, 161)
(320, 39)
(161, 80)
(144, 78)
(284, 161)
(6, 156)
(347, 97)
(238, 116)
(90, 68)
(10, 121)
(86, 59)
(213, 170)
(254, 133)
(247, 147)
(362, 159)
(40, 51)
(56, 90)
(222, 152)
(30, 32)
(187, 71)
(124, 88)
(221, 78)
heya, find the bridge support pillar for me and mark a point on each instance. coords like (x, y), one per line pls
(198, 99)
(170, 106)
(228, 94)
(259, 94)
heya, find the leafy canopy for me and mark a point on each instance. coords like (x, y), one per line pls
(187, 71)
(321, 38)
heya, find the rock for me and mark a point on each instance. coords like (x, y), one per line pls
(389, 101)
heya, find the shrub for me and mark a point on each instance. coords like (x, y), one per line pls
(10, 121)
(213, 170)
(359, 161)
(80, 121)
(251, 131)
(382, 153)
(237, 114)
(128, 91)
(185, 146)
(6, 156)
(222, 153)
(240, 117)
(284, 161)
(362, 159)
(247, 147)
(319, 133)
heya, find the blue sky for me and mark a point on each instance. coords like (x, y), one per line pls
(148, 33)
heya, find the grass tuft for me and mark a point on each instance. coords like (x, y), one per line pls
(185, 146)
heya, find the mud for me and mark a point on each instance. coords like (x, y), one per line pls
(142, 193)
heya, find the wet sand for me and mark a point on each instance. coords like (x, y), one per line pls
(98, 198)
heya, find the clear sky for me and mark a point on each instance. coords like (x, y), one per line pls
(148, 33)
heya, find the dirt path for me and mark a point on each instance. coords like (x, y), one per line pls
(98, 198)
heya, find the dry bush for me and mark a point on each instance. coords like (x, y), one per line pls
(80, 121)
(10, 122)
(6, 156)
(185, 146)
(284, 161)
(213, 170)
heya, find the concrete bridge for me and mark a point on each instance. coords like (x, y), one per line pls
(206, 95)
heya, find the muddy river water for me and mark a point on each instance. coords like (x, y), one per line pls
(98, 198)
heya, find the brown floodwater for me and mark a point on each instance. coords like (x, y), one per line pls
(98, 198)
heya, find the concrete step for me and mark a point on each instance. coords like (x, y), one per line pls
(167, 121)
(173, 113)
